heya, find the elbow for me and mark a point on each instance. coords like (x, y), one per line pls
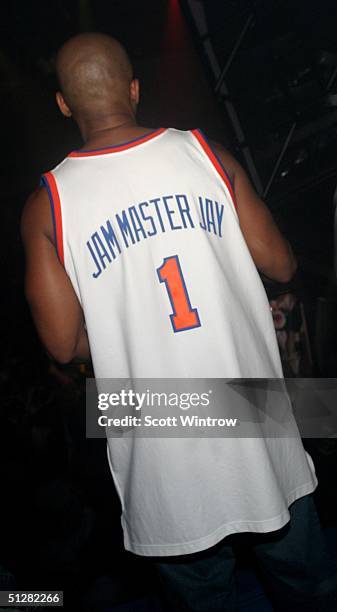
(61, 347)
(60, 342)
(60, 353)
(283, 278)
(287, 272)
(280, 271)
(62, 350)
(62, 357)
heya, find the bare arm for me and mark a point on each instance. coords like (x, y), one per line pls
(55, 308)
(270, 251)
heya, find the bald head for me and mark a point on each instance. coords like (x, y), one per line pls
(94, 73)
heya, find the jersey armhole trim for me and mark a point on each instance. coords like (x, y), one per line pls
(217, 163)
(48, 181)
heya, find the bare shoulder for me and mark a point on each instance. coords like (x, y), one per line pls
(228, 161)
(270, 251)
(36, 216)
(244, 191)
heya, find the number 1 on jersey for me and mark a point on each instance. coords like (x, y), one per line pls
(184, 316)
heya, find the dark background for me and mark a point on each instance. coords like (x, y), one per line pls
(60, 516)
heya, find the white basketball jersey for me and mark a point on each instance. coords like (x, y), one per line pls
(149, 235)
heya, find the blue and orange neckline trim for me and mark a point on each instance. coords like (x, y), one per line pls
(116, 148)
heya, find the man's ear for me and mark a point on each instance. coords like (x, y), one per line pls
(64, 108)
(134, 91)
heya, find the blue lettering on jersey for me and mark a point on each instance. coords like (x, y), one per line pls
(93, 255)
(110, 238)
(148, 219)
(184, 209)
(211, 216)
(202, 213)
(219, 214)
(125, 228)
(155, 202)
(100, 249)
(136, 223)
(170, 213)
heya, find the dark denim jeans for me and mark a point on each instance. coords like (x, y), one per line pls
(294, 561)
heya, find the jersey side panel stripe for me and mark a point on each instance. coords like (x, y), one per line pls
(55, 204)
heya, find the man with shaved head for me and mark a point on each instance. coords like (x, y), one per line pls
(95, 74)
(142, 251)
